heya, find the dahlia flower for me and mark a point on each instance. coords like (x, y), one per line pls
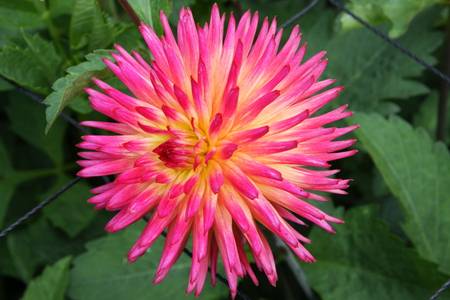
(217, 142)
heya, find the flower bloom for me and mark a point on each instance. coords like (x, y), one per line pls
(217, 142)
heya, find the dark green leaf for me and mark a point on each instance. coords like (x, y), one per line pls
(148, 12)
(22, 254)
(5, 86)
(73, 201)
(364, 261)
(89, 27)
(52, 284)
(72, 85)
(60, 7)
(6, 186)
(398, 13)
(103, 272)
(45, 56)
(15, 14)
(19, 66)
(417, 172)
(29, 125)
(372, 70)
(81, 104)
(426, 116)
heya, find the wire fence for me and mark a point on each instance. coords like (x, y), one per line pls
(291, 21)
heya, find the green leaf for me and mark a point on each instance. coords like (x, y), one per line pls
(148, 12)
(6, 186)
(52, 284)
(399, 13)
(426, 116)
(89, 27)
(364, 261)
(45, 56)
(60, 7)
(5, 86)
(19, 66)
(22, 254)
(417, 172)
(372, 70)
(72, 85)
(15, 14)
(29, 125)
(81, 104)
(74, 201)
(104, 273)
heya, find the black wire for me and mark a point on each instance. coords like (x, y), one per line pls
(299, 15)
(39, 207)
(441, 290)
(392, 42)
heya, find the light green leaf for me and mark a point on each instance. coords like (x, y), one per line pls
(103, 273)
(364, 261)
(399, 13)
(15, 14)
(417, 172)
(27, 123)
(72, 85)
(79, 216)
(52, 284)
(372, 70)
(148, 12)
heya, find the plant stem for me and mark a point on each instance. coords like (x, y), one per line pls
(130, 12)
(443, 90)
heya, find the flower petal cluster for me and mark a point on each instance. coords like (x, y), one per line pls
(220, 140)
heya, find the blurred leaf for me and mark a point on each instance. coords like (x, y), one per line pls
(131, 39)
(372, 70)
(104, 273)
(19, 66)
(5, 86)
(29, 125)
(364, 261)
(417, 172)
(50, 244)
(79, 216)
(426, 116)
(148, 12)
(21, 253)
(52, 284)
(81, 104)
(60, 7)
(89, 27)
(399, 13)
(15, 14)
(6, 186)
(7, 266)
(73, 84)
(45, 56)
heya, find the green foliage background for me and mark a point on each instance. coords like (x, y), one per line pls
(395, 243)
